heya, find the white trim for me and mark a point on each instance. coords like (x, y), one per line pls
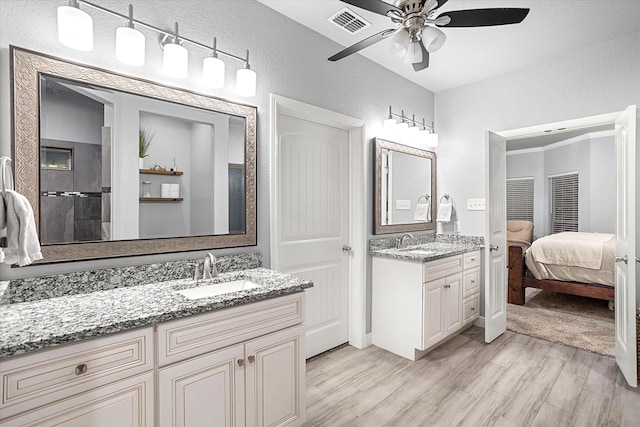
(368, 339)
(575, 139)
(479, 322)
(541, 130)
(555, 175)
(358, 201)
(521, 178)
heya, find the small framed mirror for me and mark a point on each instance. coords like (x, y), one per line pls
(405, 188)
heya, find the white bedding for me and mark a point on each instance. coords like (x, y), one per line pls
(573, 257)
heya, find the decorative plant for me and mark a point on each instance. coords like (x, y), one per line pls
(144, 145)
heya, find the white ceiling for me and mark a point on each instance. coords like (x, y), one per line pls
(553, 28)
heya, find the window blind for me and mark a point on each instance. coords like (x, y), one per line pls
(520, 199)
(564, 202)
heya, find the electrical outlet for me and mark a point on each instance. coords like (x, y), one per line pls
(476, 204)
(403, 204)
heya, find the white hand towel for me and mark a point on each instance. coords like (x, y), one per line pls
(23, 246)
(423, 212)
(445, 210)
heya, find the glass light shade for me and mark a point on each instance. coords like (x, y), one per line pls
(413, 130)
(402, 127)
(213, 72)
(246, 82)
(414, 53)
(389, 123)
(75, 28)
(431, 140)
(433, 38)
(399, 43)
(130, 46)
(175, 60)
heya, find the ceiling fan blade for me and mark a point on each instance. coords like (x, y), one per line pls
(441, 3)
(362, 44)
(418, 66)
(375, 6)
(484, 17)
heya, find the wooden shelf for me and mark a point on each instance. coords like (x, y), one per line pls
(161, 199)
(155, 172)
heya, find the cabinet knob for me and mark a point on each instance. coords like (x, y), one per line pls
(473, 281)
(251, 358)
(240, 362)
(447, 286)
(81, 369)
(473, 309)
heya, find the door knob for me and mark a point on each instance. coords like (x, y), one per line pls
(347, 248)
(493, 248)
(624, 259)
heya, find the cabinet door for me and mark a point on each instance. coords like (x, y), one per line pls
(453, 303)
(126, 403)
(203, 391)
(275, 379)
(433, 297)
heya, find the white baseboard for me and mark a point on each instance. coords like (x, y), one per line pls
(479, 322)
(368, 339)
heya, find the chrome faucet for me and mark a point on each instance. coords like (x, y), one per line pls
(209, 269)
(405, 236)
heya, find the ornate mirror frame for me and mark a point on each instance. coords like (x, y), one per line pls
(378, 227)
(26, 68)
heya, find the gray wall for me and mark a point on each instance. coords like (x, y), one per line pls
(290, 60)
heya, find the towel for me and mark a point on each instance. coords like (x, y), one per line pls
(445, 210)
(23, 246)
(423, 211)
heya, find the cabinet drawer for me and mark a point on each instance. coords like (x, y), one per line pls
(43, 377)
(471, 282)
(471, 309)
(471, 260)
(126, 403)
(195, 335)
(442, 267)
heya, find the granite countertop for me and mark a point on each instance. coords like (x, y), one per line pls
(35, 325)
(427, 251)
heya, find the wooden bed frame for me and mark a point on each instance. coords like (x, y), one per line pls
(518, 282)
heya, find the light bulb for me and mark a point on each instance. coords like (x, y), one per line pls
(414, 53)
(175, 60)
(389, 123)
(246, 82)
(398, 43)
(433, 39)
(75, 28)
(213, 72)
(130, 46)
(431, 139)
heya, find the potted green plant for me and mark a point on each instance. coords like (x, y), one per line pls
(145, 137)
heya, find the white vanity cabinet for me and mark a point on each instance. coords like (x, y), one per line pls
(242, 366)
(98, 382)
(418, 305)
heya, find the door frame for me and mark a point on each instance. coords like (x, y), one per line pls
(357, 200)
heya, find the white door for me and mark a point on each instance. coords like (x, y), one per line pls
(312, 220)
(625, 293)
(495, 288)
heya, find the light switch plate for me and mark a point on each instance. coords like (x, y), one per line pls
(476, 204)
(403, 204)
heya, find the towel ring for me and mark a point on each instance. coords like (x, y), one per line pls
(426, 198)
(5, 172)
(445, 196)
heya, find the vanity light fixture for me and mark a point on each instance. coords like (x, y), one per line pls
(246, 80)
(75, 30)
(175, 58)
(75, 27)
(130, 43)
(213, 69)
(411, 130)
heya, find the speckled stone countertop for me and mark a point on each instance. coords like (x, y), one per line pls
(440, 246)
(36, 325)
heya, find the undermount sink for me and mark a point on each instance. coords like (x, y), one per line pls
(218, 289)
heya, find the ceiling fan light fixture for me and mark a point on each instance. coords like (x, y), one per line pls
(433, 39)
(414, 52)
(399, 43)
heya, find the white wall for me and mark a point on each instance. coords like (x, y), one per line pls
(598, 80)
(290, 60)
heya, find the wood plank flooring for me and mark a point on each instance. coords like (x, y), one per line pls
(515, 381)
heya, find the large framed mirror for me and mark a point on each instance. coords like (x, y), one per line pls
(405, 188)
(116, 166)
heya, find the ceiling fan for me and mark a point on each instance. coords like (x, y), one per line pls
(417, 34)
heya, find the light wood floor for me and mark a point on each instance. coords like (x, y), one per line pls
(515, 381)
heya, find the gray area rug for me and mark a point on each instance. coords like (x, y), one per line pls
(571, 320)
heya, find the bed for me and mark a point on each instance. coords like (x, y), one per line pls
(573, 263)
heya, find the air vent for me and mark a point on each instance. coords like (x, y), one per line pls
(349, 21)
